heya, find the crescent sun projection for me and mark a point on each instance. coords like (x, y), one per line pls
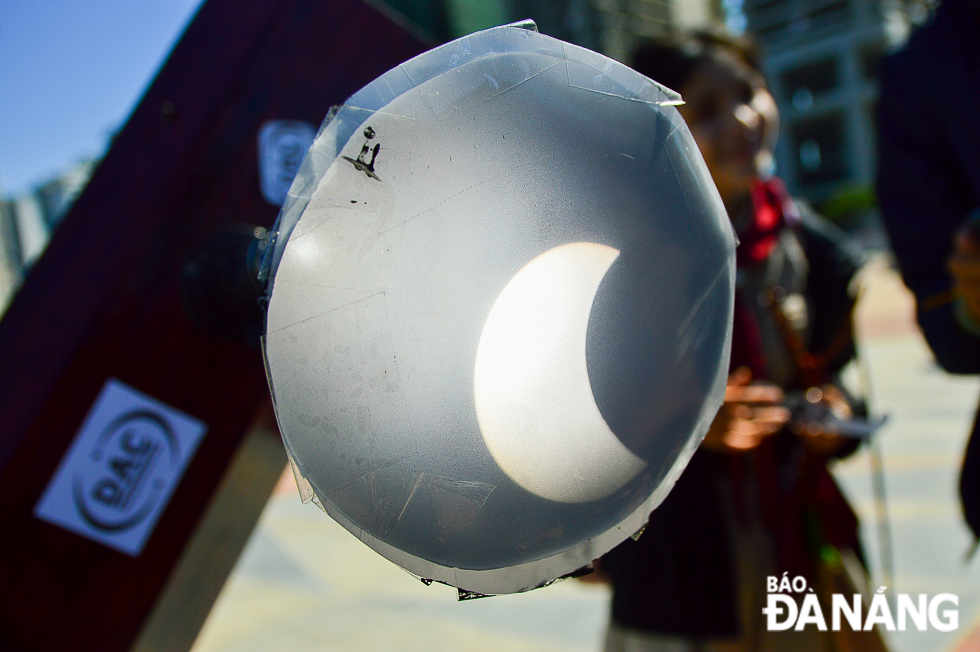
(534, 401)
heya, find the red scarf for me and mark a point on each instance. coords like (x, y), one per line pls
(772, 207)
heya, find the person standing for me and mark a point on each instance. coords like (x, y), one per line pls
(928, 190)
(756, 500)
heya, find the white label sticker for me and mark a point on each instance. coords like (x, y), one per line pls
(120, 472)
(282, 147)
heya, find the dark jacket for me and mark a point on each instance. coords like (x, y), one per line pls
(929, 182)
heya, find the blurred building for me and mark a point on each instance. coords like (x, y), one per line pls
(28, 220)
(608, 26)
(821, 57)
(622, 22)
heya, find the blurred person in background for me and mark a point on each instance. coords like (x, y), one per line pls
(756, 500)
(929, 193)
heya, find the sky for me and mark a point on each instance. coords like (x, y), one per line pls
(71, 72)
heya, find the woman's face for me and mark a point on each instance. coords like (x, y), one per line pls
(734, 120)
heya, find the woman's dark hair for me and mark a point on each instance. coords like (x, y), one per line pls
(671, 59)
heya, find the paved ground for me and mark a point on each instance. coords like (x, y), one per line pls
(930, 415)
(305, 584)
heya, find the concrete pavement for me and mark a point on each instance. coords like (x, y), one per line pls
(930, 415)
(304, 584)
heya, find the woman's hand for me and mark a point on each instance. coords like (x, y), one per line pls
(814, 425)
(751, 412)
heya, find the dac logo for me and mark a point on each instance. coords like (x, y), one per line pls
(122, 468)
(135, 452)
